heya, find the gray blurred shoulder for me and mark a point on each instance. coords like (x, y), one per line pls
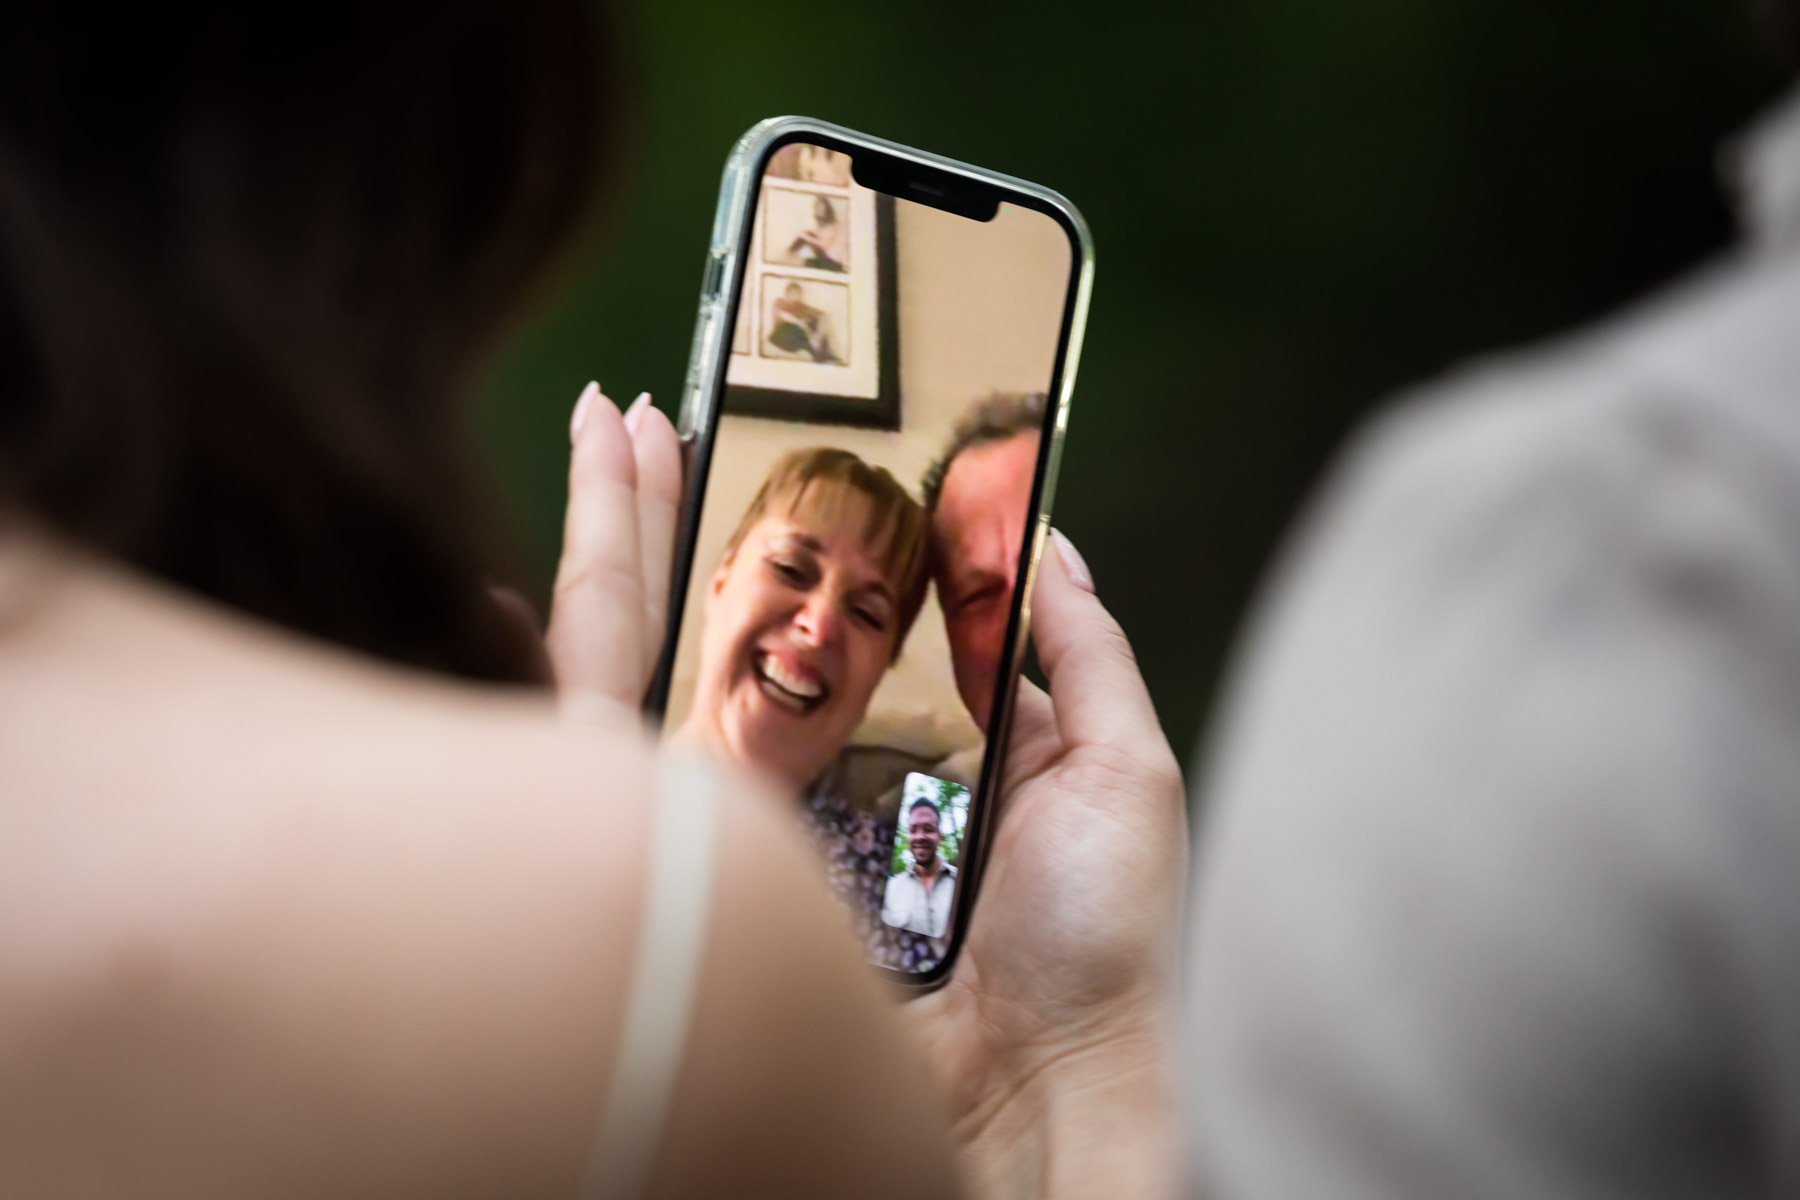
(1659, 451)
(1498, 893)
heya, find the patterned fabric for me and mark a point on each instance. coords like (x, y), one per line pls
(858, 847)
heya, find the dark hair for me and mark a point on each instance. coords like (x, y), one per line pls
(251, 254)
(922, 802)
(1782, 19)
(997, 418)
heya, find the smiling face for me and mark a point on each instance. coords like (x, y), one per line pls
(803, 618)
(978, 532)
(925, 833)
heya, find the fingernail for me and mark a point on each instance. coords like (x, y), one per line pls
(1072, 561)
(635, 414)
(581, 408)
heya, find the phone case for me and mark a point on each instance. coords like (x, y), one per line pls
(703, 391)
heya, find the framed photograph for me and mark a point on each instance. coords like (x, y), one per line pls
(806, 229)
(816, 336)
(804, 320)
(811, 164)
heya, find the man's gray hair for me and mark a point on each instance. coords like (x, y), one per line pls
(1000, 417)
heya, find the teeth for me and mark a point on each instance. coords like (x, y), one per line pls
(783, 699)
(803, 688)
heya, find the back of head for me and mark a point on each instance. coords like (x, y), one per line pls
(250, 256)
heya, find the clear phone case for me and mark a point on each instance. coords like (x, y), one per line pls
(704, 392)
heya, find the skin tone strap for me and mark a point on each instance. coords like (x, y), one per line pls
(677, 900)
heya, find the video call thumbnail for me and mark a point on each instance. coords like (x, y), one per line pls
(934, 814)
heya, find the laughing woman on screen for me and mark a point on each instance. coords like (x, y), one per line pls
(809, 607)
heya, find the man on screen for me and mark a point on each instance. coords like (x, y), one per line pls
(918, 899)
(977, 495)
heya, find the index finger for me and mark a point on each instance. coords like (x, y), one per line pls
(597, 612)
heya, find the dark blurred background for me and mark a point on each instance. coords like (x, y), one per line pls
(1299, 206)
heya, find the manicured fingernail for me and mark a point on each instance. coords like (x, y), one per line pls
(635, 414)
(1072, 561)
(581, 408)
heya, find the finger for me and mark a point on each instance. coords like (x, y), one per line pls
(597, 613)
(1095, 686)
(657, 451)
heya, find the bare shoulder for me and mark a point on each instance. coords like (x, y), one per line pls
(264, 905)
(129, 714)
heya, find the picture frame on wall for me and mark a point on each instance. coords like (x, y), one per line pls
(816, 338)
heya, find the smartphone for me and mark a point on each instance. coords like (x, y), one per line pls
(873, 414)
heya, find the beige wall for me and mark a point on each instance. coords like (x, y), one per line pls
(980, 308)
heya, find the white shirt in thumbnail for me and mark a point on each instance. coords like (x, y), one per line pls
(907, 904)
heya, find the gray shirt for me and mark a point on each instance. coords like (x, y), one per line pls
(1499, 892)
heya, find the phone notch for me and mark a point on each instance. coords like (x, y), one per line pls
(926, 185)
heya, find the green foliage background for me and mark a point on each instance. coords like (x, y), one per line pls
(1299, 207)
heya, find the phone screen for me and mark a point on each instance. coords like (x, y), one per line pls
(868, 496)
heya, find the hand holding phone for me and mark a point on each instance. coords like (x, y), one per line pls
(1058, 1029)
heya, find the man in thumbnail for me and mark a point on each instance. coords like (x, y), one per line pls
(977, 494)
(918, 899)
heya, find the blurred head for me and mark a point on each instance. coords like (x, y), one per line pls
(978, 494)
(809, 606)
(251, 256)
(924, 832)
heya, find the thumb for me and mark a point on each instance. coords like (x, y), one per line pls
(1095, 687)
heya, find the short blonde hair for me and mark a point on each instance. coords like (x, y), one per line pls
(897, 528)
